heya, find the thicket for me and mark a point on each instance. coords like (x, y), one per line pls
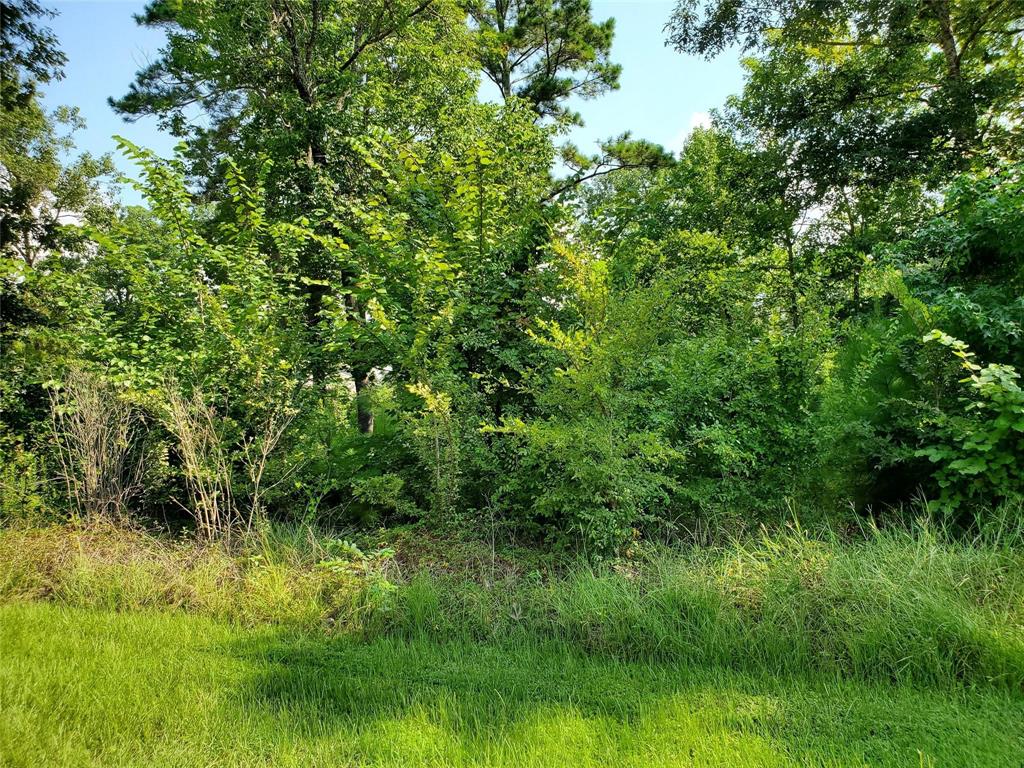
(359, 295)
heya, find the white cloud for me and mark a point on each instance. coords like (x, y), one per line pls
(700, 120)
(697, 120)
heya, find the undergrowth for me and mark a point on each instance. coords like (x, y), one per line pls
(900, 604)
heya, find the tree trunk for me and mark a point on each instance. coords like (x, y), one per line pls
(946, 39)
(316, 157)
(794, 308)
(364, 414)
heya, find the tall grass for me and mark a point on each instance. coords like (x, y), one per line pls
(893, 605)
(277, 577)
(912, 605)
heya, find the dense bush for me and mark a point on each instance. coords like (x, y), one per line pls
(663, 403)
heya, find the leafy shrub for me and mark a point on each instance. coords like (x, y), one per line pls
(589, 480)
(979, 456)
(23, 498)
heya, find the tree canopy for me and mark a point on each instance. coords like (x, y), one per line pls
(875, 89)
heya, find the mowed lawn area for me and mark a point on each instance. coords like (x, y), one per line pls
(81, 687)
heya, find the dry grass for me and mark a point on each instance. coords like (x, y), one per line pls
(103, 566)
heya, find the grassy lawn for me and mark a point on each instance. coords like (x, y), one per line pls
(85, 687)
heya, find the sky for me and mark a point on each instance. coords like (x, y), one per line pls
(662, 94)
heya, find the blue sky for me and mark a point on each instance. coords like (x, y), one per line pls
(663, 94)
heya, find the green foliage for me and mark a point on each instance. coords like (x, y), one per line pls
(44, 192)
(39, 192)
(298, 81)
(438, 445)
(387, 309)
(667, 403)
(589, 481)
(23, 496)
(980, 454)
(367, 343)
(967, 262)
(29, 53)
(858, 88)
(384, 493)
(198, 324)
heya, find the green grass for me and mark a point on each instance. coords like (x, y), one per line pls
(93, 687)
(902, 606)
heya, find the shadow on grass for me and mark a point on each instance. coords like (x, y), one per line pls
(421, 702)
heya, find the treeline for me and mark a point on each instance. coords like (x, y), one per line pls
(361, 295)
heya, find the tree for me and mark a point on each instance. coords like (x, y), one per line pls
(40, 194)
(544, 51)
(875, 90)
(37, 191)
(29, 53)
(297, 79)
(271, 79)
(304, 82)
(723, 184)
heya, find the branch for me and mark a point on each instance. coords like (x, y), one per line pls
(986, 15)
(575, 181)
(382, 35)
